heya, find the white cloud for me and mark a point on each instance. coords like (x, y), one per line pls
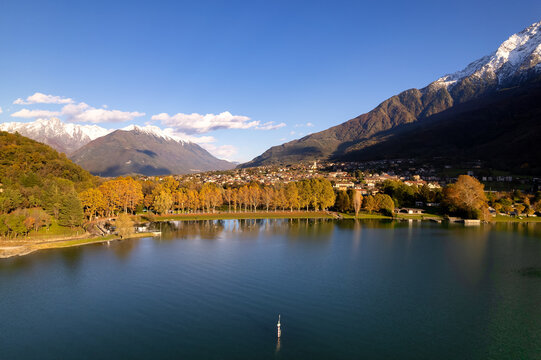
(183, 136)
(308, 124)
(25, 113)
(82, 112)
(1, 111)
(226, 152)
(197, 123)
(270, 126)
(40, 98)
(72, 110)
(207, 142)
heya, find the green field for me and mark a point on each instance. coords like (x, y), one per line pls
(501, 218)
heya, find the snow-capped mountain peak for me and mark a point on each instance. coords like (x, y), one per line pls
(166, 134)
(65, 137)
(520, 53)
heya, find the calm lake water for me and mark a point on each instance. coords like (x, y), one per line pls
(345, 290)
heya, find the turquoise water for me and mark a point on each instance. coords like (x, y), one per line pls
(344, 289)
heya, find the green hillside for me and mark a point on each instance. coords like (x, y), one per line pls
(38, 187)
(27, 162)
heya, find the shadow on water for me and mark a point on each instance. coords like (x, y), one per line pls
(531, 272)
(72, 257)
(123, 249)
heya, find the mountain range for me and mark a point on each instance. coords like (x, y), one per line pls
(490, 111)
(64, 137)
(145, 150)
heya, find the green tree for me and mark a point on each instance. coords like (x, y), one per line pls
(4, 229)
(10, 199)
(506, 205)
(385, 204)
(53, 193)
(71, 211)
(342, 202)
(369, 203)
(15, 223)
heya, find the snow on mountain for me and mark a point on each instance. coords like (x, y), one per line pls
(68, 137)
(166, 134)
(64, 137)
(518, 54)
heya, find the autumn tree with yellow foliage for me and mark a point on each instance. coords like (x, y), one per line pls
(466, 198)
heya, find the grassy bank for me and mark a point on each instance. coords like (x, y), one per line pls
(512, 219)
(10, 248)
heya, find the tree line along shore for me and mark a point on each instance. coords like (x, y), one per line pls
(60, 207)
(45, 197)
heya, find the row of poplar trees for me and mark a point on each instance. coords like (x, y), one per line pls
(168, 195)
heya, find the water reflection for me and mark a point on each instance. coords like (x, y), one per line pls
(295, 229)
(468, 256)
(529, 229)
(123, 249)
(205, 289)
(72, 257)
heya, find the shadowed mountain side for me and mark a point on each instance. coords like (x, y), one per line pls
(404, 108)
(516, 63)
(136, 152)
(503, 129)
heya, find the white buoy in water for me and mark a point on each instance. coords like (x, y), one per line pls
(278, 325)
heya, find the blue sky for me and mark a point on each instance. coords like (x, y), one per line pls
(269, 67)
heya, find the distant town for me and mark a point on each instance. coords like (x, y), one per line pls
(365, 177)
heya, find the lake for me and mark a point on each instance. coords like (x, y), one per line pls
(345, 290)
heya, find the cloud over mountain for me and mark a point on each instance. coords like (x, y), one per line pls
(28, 114)
(82, 112)
(40, 98)
(197, 123)
(192, 127)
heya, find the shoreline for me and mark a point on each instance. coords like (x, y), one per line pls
(12, 250)
(20, 248)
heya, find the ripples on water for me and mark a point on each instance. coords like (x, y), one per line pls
(345, 289)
